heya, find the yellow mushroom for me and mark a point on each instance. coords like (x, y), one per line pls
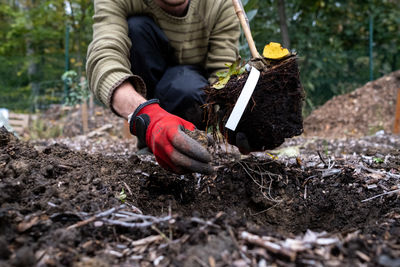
(275, 51)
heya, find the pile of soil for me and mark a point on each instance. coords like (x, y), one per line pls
(64, 207)
(362, 112)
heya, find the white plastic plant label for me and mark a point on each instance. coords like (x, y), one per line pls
(243, 99)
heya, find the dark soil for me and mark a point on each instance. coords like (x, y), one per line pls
(274, 111)
(254, 211)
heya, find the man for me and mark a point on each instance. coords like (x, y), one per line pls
(165, 51)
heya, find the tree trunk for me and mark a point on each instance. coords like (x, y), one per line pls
(31, 55)
(283, 23)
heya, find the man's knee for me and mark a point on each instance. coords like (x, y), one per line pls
(181, 86)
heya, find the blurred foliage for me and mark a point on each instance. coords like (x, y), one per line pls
(330, 37)
(78, 90)
(42, 129)
(32, 49)
(332, 41)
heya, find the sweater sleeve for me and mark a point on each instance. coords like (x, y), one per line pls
(224, 40)
(108, 54)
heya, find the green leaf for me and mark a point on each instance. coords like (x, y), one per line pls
(234, 69)
(378, 160)
(221, 83)
(122, 196)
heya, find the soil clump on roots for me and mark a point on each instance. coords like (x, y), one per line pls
(274, 111)
(69, 208)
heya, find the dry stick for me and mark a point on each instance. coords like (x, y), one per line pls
(397, 176)
(129, 216)
(135, 209)
(396, 127)
(144, 224)
(237, 4)
(145, 241)
(128, 188)
(235, 242)
(271, 247)
(199, 261)
(160, 233)
(204, 223)
(383, 194)
(321, 158)
(97, 216)
(85, 125)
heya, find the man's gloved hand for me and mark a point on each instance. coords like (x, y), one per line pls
(163, 134)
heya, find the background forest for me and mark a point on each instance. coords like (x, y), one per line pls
(341, 44)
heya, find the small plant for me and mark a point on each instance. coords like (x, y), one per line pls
(325, 146)
(122, 196)
(236, 68)
(378, 160)
(78, 90)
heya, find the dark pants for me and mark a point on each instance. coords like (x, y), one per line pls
(178, 87)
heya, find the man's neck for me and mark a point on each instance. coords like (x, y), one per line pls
(176, 8)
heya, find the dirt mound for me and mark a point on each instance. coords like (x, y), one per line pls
(60, 207)
(362, 112)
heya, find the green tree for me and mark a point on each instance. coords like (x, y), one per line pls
(32, 40)
(331, 39)
(79, 16)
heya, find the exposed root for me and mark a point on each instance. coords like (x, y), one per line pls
(261, 180)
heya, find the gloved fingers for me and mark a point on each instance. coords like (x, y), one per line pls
(169, 166)
(171, 159)
(187, 125)
(184, 164)
(190, 147)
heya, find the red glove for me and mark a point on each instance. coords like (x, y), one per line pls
(162, 132)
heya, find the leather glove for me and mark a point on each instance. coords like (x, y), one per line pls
(163, 134)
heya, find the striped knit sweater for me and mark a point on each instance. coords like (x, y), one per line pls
(207, 36)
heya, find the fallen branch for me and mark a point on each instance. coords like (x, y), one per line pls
(397, 176)
(146, 240)
(136, 225)
(271, 247)
(235, 242)
(95, 217)
(127, 216)
(123, 218)
(380, 195)
(205, 223)
(321, 158)
(100, 130)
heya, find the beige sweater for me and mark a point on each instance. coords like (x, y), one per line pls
(207, 36)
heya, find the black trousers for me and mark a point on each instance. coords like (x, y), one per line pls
(178, 87)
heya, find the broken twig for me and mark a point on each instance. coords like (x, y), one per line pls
(271, 247)
(380, 195)
(95, 217)
(392, 175)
